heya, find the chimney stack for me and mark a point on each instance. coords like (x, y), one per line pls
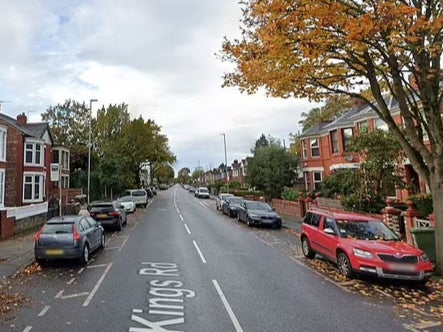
(22, 119)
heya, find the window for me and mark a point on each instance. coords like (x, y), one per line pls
(348, 134)
(315, 221)
(304, 150)
(380, 124)
(334, 142)
(2, 144)
(33, 187)
(34, 153)
(307, 180)
(317, 180)
(315, 147)
(2, 187)
(363, 126)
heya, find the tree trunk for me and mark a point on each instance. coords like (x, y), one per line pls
(437, 201)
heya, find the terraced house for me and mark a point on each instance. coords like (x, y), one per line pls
(324, 147)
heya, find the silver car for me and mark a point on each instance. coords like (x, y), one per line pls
(68, 237)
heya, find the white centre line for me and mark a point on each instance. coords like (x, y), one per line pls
(181, 217)
(231, 314)
(123, 244)
(27, 329)
(187, 229)
(99, 282)
(199, 252)
(44, 311)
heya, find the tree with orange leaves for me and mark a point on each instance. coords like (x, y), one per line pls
(319, 48)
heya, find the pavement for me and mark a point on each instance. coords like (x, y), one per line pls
(17, 252)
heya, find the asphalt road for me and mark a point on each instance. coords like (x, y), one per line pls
(180, 265)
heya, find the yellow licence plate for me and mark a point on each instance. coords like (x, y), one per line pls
(102, 215)
(54, 252)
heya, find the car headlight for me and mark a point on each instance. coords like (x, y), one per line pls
(253, 215)
(424, 258)
(362, 253)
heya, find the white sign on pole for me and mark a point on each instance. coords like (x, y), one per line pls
(55, 172)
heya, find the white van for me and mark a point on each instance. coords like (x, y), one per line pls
(140, 196)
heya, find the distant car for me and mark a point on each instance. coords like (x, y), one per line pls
(255, 213)
(362, 244)
(221, 200)
(109, 214)
(153, 189)
(140, 196)
(191, 189)
(68, 237)
(128, 203)
(203, 192)
(231, 205)
(149, 192)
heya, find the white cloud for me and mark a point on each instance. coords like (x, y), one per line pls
(156, 56)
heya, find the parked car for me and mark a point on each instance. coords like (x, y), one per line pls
(362, 244)
(255, 213)
(221, 200)
(109, 214)
(68, 237)
(191, 189)
(140, 196)
(203, 192)
(153, 189)
(231, 205)
(128, 203)
(149, 192)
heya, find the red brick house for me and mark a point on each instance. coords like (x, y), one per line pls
(323, 147)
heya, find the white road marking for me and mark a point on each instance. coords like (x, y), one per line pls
(228, 308)
(70, 281)
(181, 217)
(137, 311)
(27, 329)
(44, 311)
(202, 204)
(199, 252)
(91, 295)
(96, 266)
(123, 244)
(74, 295)
(187, 229)
(81, 270)
(59, 294)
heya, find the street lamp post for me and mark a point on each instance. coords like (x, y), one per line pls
(226, 162)
(89, 147)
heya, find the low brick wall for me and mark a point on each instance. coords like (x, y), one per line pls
(28, 224)
(288, 208)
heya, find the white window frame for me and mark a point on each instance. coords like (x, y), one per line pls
(2, 187)
(3, 138)
(33, 151)
(314, 144)
(33, 183)
(315, 180)
(380, 124)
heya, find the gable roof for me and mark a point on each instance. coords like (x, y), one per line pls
(36, 130)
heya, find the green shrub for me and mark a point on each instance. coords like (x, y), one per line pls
(423, 204)
(290, 194)
(369, 203)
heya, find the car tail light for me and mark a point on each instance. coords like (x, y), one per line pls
(38, 234)
(113, 214)
(75, 234)
(92, 214)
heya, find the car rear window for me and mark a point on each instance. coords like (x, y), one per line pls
(57, 228)
(102, 208)
(312, 219)
(139, 193)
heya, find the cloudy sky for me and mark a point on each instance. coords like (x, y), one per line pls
(157, 56)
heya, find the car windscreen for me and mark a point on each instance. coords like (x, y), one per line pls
(139, 193)
(203, 190)
(62, 228)
(258, 206)
(235, 201)
(366, 230)
(125, 199)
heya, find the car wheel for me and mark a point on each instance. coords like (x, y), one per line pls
(306, 248)
(344, 265)
(249, 221)
(238, 217)
(119, 224)
(85, 256)
(41, 262)
(102, 241)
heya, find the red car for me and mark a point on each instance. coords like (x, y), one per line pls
(359, 243)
